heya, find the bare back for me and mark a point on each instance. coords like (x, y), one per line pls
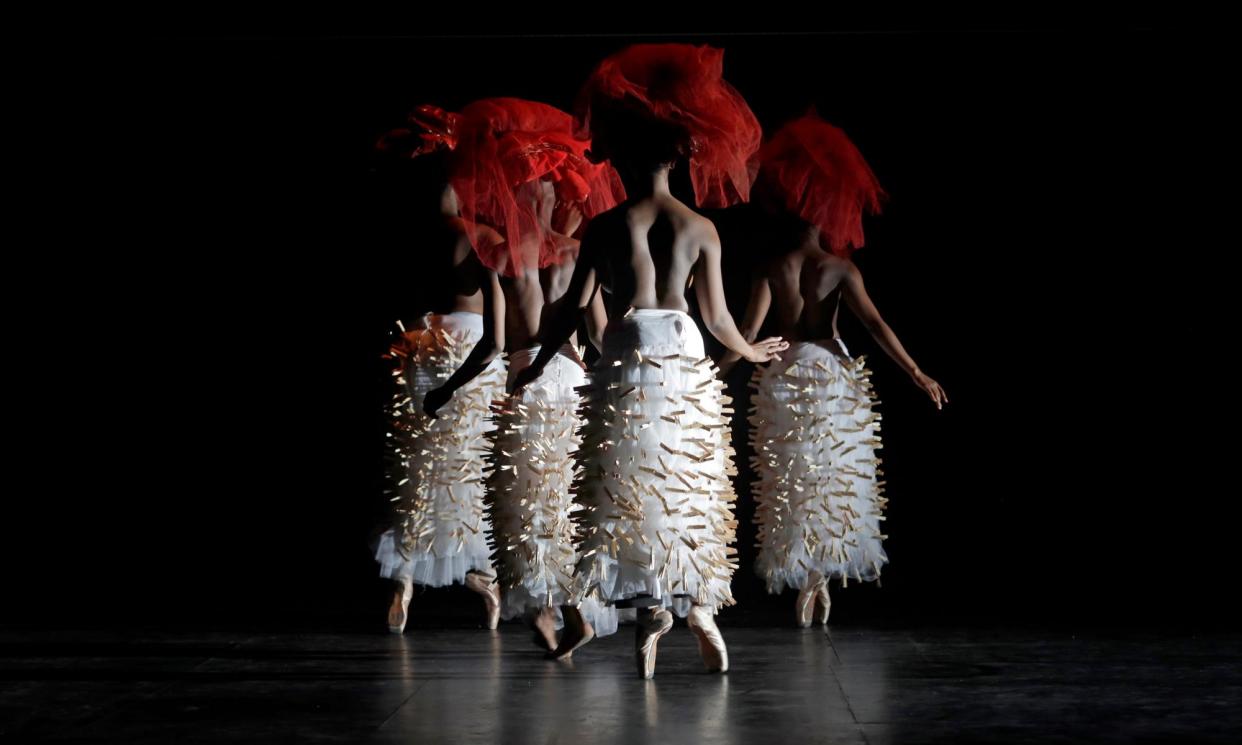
(645, 251)
(806, 285)
(530, 296)
(648, 249)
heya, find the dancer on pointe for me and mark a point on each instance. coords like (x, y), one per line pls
(814, 428)
(656, 458)
(439, 526)
(525, 186)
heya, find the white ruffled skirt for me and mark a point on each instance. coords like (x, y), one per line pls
(533, 533)
(440, 526)
(819, 503)
(656, 464)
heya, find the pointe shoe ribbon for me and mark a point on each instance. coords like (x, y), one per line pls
(399, 611)
(805, 607)
(486, 586)
(823, 603)
(711, 644)
(649, 631)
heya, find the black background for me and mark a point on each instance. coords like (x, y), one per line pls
(214, 451)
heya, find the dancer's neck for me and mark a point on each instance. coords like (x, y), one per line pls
(644, 185)
(809, 236)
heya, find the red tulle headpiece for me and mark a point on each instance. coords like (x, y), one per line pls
(682, 85)
(815, 172)
(429, 128)
(506, 147)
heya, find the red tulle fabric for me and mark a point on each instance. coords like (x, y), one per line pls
(430, 128)
(505, 148)
(682, 84)
(814, 170)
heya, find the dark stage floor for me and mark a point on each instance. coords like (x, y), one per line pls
(852, 685)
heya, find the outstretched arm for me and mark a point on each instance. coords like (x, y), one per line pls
(859, 302)
(490, 345)
(709, 288)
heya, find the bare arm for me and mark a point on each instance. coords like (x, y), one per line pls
(756, 310)
(859, 302)
(490, 345)
(709, 288)
(597, 320)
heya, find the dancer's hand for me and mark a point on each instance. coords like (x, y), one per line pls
(931, 387)
(577, 358)
(570, 218)
(766, 350)
(525, 377)
(434, 399)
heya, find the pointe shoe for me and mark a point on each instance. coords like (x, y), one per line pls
(577, 632)
(399, 611)
(650, 628)
(711, 644)
(486, 586)
(823, 604)
(804, 608)
(544, 626)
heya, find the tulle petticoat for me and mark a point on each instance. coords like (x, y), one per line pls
(819, 504)
(439, 531)
(656, 461)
